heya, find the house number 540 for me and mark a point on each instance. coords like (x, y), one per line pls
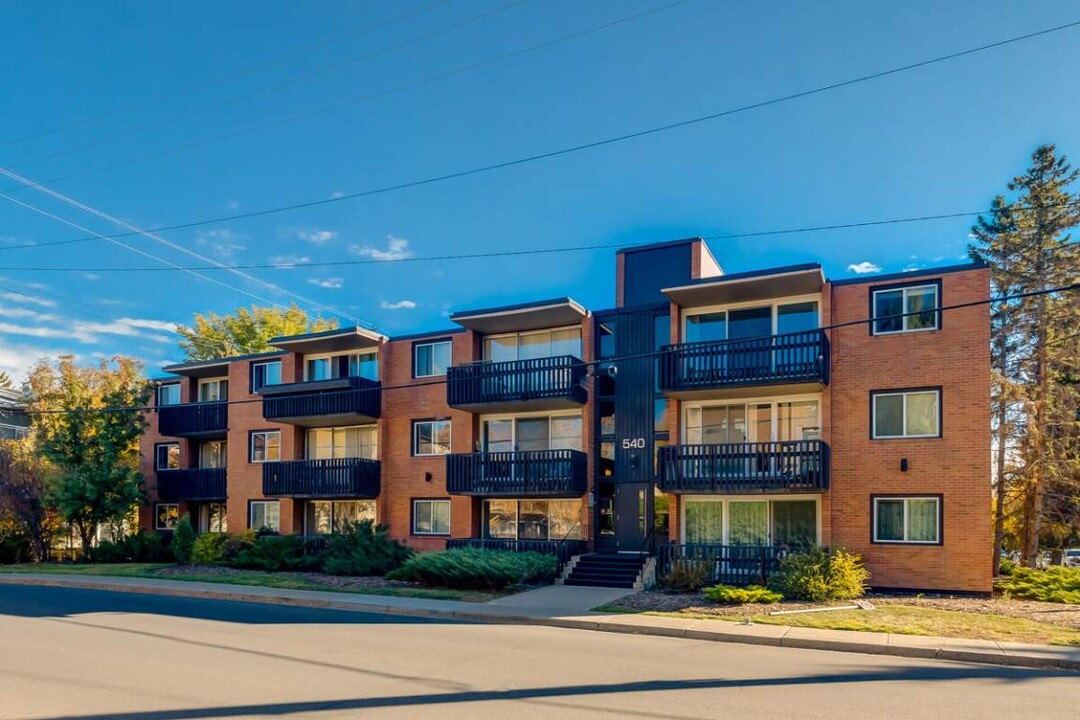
(633, 443)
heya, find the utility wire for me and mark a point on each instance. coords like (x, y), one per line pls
(219, 78)
(602, 142)
(624, 358)
(342, 104)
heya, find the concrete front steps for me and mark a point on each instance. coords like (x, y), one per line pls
(610, 570)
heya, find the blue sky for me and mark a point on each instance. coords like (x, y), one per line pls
(157, 114)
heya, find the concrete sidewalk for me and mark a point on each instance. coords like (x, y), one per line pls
(569, 607)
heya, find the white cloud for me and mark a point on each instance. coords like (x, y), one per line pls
(42, 332)
(233, 205)
(317, 237)
(337, 194)
(110, 301)
(166, 325)
(287, 262)
(399, 305)
(864, 267)
(16, 360)
(396, 249)
(91, 276)
(26, 313)
(224, 243)
(328, 283)
(26, 299)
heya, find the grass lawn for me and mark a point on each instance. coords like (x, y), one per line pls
(908, 620)
(288, 581)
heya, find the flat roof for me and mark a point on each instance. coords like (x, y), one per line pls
(803, 279)
(336, 340)
(658, 245)
(212, 367)
(556, 312)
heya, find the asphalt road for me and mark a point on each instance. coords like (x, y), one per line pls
(90, 655)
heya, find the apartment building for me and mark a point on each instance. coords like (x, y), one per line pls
(708, 417)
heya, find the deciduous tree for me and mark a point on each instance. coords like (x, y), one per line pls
(246, 331)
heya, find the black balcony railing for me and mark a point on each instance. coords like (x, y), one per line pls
(191, 484)
(353, 396)
(780, 359)
(536, 473)
(728, 564)
(562, 549)
(551, 378)
(193, 419)
(339, 477)
(734, 468)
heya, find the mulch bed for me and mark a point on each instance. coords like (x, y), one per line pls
(695, 603)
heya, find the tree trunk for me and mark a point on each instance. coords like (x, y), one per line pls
(1002, 439)
(1039, 426)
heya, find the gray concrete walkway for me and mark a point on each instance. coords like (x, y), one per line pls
(567, 607)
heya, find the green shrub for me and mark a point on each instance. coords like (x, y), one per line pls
(686, 576)
(210, 549)
(477, 569)
(1055, 584)
(363, 548)
(1007, 566)
(728, 595)
(818, 575)
(142, 546)
(183, 540)
(273, 553)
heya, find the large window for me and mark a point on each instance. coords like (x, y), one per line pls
(166, 515)
(167, 456)
(168, 394)
(533, 345)
(759, 522)
(894, 308)
(264, 515)
(754, 422)
(212, 518)
(431, 517)
(265, 373)
(213, 454)
(915, 520)
(323, 517)
(906, 414)
(360, 441)
(431, 359)
(365, 365)
(554, 432)
(752, 322)
(431, 437)
(533, 519)
(213, 390)
(265, 446)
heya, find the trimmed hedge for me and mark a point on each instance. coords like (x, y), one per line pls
(1055, 584)
(143, 547)
(477, 569)
(728, 595)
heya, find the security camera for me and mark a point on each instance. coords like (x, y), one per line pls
(611, 370)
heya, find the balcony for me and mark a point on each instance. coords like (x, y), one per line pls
(784, 360)
(728, 564)
(745, 468)
(191, 484)
(530, 474)
(339, 477)
(206, 420)
(323, 403)
(551, 383)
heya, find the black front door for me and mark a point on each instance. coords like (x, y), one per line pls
(605, 518)
(632, 515)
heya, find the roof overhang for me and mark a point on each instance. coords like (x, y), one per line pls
(726, 290)
(340, 340)
(200, 369)
(515, 318)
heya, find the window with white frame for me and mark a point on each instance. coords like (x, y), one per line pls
(533, 345)
(546, 432)
(168, 394)
(750, 521)
(166, 516)
(264, 374)
(431, 359)
(431, 437)
(906, 309)
(915, 520)
(213, 390)
(431, 517)
(364, 365)
(533, 520)
(166, 456)
(324, 517)
(264, 515)
(754, 321)
(906, 414)
(265, 446)
(359, 441)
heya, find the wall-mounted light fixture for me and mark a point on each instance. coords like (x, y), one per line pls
(903, 464)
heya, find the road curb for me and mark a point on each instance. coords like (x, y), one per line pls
(603, 624)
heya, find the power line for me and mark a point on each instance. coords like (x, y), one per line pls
(219, 78)
(596, 143)
(373, 95)
(623, 358)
